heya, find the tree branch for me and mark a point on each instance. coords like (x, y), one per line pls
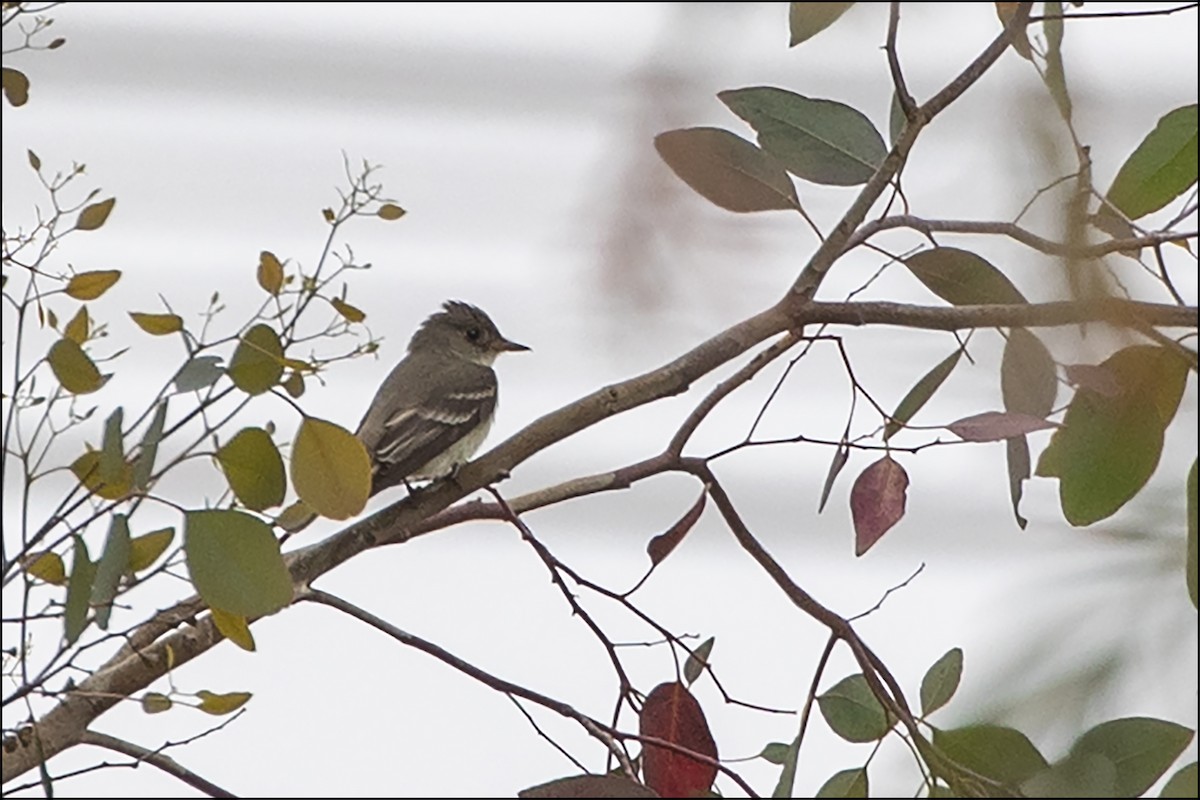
(156, 759)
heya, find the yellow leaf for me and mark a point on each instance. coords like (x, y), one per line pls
(330, 469)
(79, 327)
(222, 703)
(234, 628)
(90, 285)
(144, 550)
(47, 566)
(270, 272)
(74, 370)
(95, 215)
(87, 469)
(155, 703)
(390, 212)
(157, 324)
(348, 311)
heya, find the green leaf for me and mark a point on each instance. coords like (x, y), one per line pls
(94, 216)
(920, 393)
(155, 703)
(962, 278)
(822, 141)
(144, 550)
(1182, 783)
(143, 466)
(1109, 445)
(111, 567)
(847, 783)
(235, 562)
(941, 681)
(1000, 753)
(91, 285)
(257, 363)
(330, 469)
(79, 592)
(787, 775)
(73, 369)
(198, 373)
(87, 469)
(1190, 567)
(157, 324)
(1028, 378)
(853, 712)
(1082, 775)
(696, 661)
(896, 119)
(1017, 453)
(1141, 748)
(1161, 168)
(726, 170)
(775, 752)
(806, 20)
(1055, 76)
(254, 469)
(111, 467)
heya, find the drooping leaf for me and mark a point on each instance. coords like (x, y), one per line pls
(920, 393)
(853, 712)
(962, 278)
(847, 783)
(111, 567)
(144, 550)
(1055, 75)
(583, 786)
(234, 627)
(111, 466)
(331, 470)
(1028, 379)
(775, 752)
(79, 592)
(941, 681)
(92, 217)
(73, 368)
(47, 566)
(1020, 39)
(663, 544)
(786, 783)
(1108, 447)
(822, 141)
(994, 751)
(1161, 168)
(806, 20)
(1017, 452)
(254, 469)
(1141, 748)
(235, 562)
(157, 324)
(697, 660)
(840, 456)
(727, 170)
(198, 373)
(257, 363)
(270, 272)
(221, 704)
(993, 426)
(673, 715)
(877, 502)
(143, 466)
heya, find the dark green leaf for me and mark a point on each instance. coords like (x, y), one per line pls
(941, 681)
(787, 775)
(111, 567)
(1161, 168)
(1018, 472)
(896, 119)
(819, 140)
(847, 783)
(79, 592)
(1002, 754)
(727, 170)
(962, 278)
(1182, 783)
(775, 752)
(840, 457)
(1083, 775)
(143, 467)
(920, 393)
(235, 563)
(853, 712)
(112, 451)
(254, 469)
(1141, 748)
(198, 373)
(257, 363)
(697, 660)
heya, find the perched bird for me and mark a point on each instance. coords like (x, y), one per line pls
(435, 408)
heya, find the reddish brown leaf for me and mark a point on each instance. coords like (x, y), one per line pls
(673, 715)
(877, 502)
(661, 546)
(1097, 377)
(993, 426)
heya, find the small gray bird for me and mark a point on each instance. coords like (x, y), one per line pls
(435, 408)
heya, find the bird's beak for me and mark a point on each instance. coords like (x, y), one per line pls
(502, 345)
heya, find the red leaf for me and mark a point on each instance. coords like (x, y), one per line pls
(993, 426)
(673, 715)
(1097, 377)
(661, 546)
(877, 502)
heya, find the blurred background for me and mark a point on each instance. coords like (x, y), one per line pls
(519, 139)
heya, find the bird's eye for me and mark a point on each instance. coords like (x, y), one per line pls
(473, 334)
